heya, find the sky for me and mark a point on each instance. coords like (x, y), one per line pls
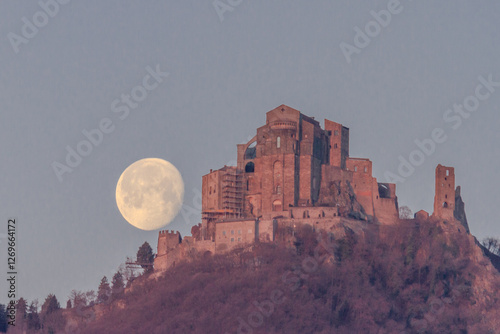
(186, 81)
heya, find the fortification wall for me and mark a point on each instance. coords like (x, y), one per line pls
(188, 249)
(168, 240)
(385, 202)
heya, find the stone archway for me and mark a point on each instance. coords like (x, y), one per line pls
(277, 205)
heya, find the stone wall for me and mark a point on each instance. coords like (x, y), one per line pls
(444, 199)
(232, 234)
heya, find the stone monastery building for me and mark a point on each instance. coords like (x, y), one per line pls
(292, 171)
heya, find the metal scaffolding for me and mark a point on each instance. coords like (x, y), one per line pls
(232, 193)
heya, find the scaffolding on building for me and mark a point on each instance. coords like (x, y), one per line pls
(232, 193)
(231, 201)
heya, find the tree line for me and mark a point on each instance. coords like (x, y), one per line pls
(48, 318)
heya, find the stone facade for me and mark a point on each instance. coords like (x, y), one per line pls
(444, 198)
(292, 171)
(292, 162)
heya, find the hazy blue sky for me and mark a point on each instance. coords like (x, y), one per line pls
(225, 72)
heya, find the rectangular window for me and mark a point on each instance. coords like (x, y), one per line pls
(278, 142)
(335, 145)
(355, 168)
(239, 239)
(223, 232)
(336, 132)
(239, 231)
(232, 232)
(366, 169)
(232, 239)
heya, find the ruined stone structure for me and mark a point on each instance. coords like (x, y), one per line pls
(292, 171)
(444, 199)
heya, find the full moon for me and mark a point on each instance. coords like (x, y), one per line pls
(149, 193)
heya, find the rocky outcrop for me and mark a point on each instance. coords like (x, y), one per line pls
(459, 212)
(342, 195)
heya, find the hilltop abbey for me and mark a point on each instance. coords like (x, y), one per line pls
(293, 171)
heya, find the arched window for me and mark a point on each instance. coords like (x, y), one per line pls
(445, 205)
(251, 151)
(250, 167)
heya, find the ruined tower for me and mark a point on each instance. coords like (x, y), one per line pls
(168, 240)
(444, 199)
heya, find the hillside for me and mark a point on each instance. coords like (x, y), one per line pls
(419, 277)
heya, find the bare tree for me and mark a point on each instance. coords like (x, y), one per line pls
(405, 212)
(79, 298)
(91, 297)
(128, 270)
(492, 244)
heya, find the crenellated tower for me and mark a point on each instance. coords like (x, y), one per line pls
(168, 240)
